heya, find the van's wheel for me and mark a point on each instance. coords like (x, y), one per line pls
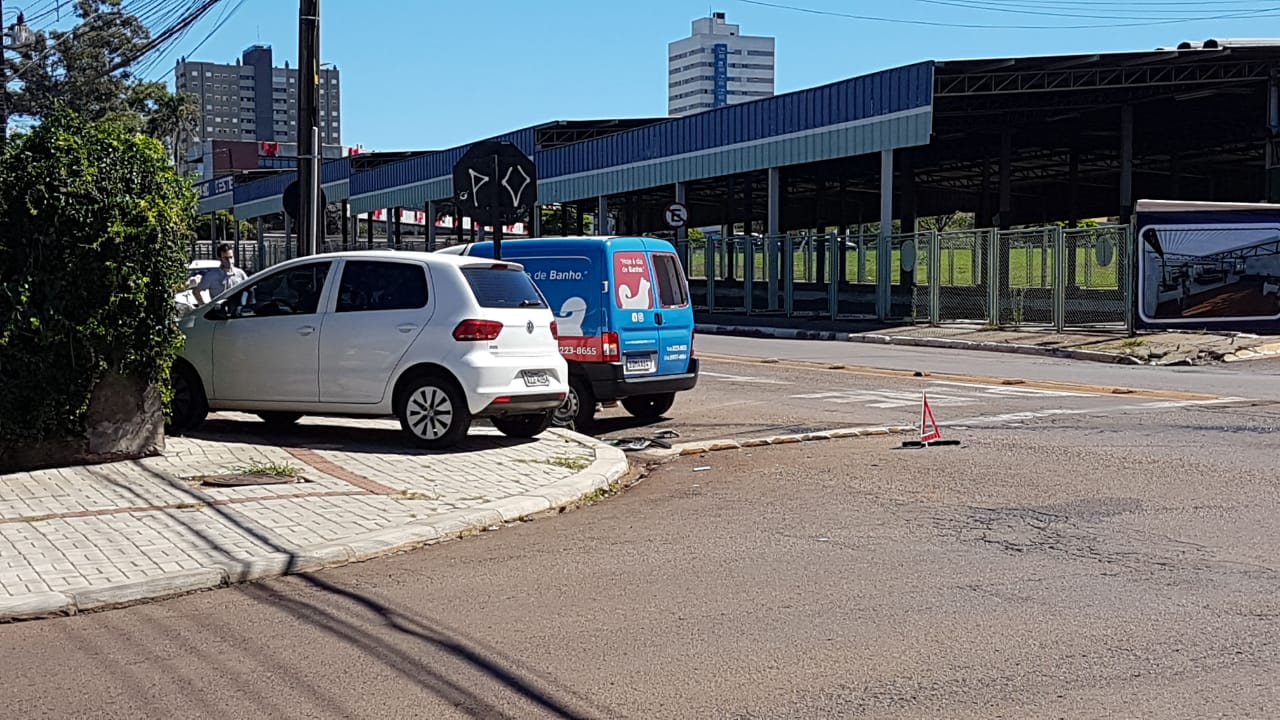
(578, 410)
(649, 407)
(189, 408)
(523, 426)
(433, 412)
(279, 420)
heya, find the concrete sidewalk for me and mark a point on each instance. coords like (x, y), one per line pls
(1166, 348)
(73, 539)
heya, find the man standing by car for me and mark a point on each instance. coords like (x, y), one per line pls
(221, 278)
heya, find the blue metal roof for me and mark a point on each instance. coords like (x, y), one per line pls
(883, 110)
(869, 96)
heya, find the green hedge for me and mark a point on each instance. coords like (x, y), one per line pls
(94, 226)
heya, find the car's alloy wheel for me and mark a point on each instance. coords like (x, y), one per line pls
(578, 409)
(433, 413)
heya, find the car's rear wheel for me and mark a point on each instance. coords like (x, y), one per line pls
(649, 407)
(433, 412)
(578, 410)
(188, 408)
(279, 420)
(523, 426)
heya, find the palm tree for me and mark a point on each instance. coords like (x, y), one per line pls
(174, 120)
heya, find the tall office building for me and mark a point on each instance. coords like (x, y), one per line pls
(717, 66)
(252, 100)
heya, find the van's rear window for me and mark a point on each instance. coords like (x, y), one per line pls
(498, 288)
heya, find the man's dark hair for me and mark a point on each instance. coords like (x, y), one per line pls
(223, 247)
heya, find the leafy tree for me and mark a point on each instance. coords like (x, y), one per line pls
(96, 226)
(173, 120)
(85, 68)
(224, 222)
(551, 217)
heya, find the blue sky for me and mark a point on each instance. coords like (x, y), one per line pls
(430, 74)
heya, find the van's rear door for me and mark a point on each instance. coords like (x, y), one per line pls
(673, 316)
(633, 308)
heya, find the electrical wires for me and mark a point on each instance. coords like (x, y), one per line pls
(1106, 13)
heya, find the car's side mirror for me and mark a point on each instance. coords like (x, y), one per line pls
(218, 312)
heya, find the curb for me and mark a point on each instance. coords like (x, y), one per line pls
(944, 343)
(610, 465)
(710, 446)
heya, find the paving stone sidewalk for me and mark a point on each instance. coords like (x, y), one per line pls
(84, 537)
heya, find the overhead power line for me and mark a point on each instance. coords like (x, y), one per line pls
(1105, 19)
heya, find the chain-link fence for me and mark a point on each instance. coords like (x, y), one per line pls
(1038, 276)
(1026, 272)
(1097, 275)
(964, 270)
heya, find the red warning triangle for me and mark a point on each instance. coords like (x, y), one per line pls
(926, 420)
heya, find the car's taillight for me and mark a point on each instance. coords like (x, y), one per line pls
(555, 330)
(470, 330)
(609, 347)
(693, 335)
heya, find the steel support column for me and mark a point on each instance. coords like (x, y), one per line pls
(346, 218)
(262, 244)
(771, 263)
(1126, 163)
(682, 232)
(430, 220)
(602, 216)
(884, 245)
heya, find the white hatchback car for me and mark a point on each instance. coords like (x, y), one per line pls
(435, 340)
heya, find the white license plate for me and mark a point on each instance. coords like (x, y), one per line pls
(536, 378)
(639, 363)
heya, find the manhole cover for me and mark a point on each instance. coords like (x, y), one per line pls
(238, 479)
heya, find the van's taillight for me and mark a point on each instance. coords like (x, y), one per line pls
(609, 347)
(477, 330)
(555, 330)
(693, 335)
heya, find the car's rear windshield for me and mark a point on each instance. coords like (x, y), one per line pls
(502, 288)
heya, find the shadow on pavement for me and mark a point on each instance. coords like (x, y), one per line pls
(316, 436)
(338, 622)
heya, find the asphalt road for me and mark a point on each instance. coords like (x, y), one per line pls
(739, 398)
(1255, 379)
(1110, 563)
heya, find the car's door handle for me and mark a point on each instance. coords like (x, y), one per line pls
(657, 318)
(306, 330)
(407, 327)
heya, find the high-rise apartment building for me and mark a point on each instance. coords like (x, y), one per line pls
(252, 100)
(717, 66)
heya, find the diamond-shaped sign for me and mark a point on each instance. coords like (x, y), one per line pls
(493, 182)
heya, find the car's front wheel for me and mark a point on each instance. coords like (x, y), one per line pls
(188, 408)
(523, 426)
(433, 412)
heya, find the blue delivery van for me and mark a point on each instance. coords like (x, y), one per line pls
(623, 318)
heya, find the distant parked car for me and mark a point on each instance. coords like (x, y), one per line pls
(185, 298)
(435, 340)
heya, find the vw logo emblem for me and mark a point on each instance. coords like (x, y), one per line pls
(529, 328)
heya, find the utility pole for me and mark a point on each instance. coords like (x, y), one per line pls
(20, 36)
(310, 214)
(4, 82)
